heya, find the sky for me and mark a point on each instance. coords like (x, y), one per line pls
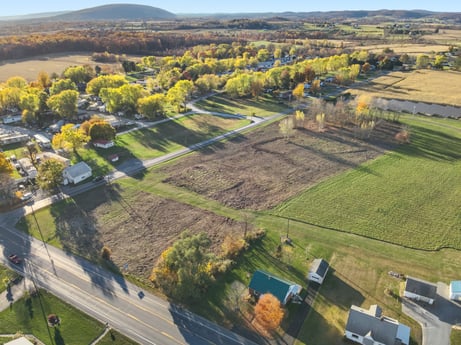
(11, 8)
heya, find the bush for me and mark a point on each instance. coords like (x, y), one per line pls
(233, 247)
(106, 253)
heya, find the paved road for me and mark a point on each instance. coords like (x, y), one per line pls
(108, 297)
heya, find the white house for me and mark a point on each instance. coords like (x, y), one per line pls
(76, 173)
(420, 290)
(19, 341)
(318, 271)
(455, 290)
(370, 327)
(104, 144)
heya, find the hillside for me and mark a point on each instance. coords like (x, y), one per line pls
(117, 12)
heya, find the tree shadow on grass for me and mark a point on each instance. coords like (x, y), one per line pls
(77, 232)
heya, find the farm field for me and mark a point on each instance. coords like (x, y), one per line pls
(408, 197)
(28, 315)
(53, 63)
(405, 48)
(272, 169)
(418, 86)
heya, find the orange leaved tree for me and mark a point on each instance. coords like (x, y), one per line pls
(269, 312)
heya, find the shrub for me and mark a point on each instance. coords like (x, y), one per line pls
(106, 253)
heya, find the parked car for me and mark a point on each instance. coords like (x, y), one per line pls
(26, 196)
(98, 178)
(14, 259)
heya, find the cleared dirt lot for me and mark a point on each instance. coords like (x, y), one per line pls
(136, 226)
(263, 169)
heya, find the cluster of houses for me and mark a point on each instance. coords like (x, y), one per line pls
(363, 326)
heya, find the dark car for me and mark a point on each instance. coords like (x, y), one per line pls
(14, 259)
(98, 178)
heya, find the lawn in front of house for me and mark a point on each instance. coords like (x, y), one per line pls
(264, 106)
(29, 314)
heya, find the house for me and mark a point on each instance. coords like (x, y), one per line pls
(263, 282)
(318, 271)
(76, 173)
(420, 290)
(104, 144)
(370, 327)
(19, 341)
(51, 155)
(27, 166)
(455, 290)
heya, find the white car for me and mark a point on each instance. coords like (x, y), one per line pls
(26, 196)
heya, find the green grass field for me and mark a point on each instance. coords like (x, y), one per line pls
(408, 197)
(159, 140)
(455, 338)
(6, 275)
(264, 106)
(29, 316)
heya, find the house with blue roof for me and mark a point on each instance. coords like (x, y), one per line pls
(263, 282)
(455, 290)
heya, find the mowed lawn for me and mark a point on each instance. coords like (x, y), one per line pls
(29, 316)
(429, 86)
(409, 197)
(264, 106)
(159, 140)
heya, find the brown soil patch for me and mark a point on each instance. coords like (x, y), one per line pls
(137, 230)
(263, 169)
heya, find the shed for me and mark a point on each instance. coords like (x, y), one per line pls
(318, 271)
(76, 173)
(104, 144)
(263, 282)
(420, 290)
(455, 290)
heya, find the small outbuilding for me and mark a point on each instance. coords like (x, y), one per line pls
(420, 290)
(455, 290)
(103, 144)
(263, 282)
(76, 173)
(318, 271)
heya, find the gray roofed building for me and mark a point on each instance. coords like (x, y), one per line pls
(76, 173)
(370, 327)
(318, 270)
(420, 290)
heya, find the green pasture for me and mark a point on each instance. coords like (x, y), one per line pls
(408, 197)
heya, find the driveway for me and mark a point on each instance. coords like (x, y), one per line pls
(436, 320)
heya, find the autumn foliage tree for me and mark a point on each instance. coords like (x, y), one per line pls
(184, 269)
(268, 312)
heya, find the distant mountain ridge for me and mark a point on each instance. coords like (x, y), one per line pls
(114, 12)
(117, 12)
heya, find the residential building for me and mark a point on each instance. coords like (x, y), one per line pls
(76, 173)
(370, 327)
(455, 290)
(420, 290)
(263, 282)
